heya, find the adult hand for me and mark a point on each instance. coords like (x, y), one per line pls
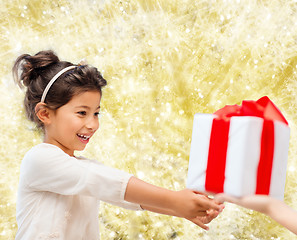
(258, 203)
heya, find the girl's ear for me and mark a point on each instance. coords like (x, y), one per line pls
(43, 113)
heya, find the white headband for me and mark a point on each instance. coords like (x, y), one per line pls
(51, 82)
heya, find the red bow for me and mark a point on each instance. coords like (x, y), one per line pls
(262, 108)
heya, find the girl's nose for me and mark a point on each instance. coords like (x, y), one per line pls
(93, 124)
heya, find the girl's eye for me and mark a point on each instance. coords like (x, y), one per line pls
(97, 114)
(82, 113)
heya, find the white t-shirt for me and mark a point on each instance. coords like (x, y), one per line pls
(59, 195)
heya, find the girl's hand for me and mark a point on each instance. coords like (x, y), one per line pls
(194, 206)
(190, 205)
(201, 221)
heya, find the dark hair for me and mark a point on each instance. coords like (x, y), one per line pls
(35, 72)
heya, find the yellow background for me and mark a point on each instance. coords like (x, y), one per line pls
(164, 62)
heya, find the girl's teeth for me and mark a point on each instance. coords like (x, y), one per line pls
(83, 136)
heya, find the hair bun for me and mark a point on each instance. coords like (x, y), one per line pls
(27, 68)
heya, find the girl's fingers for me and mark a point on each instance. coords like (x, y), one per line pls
(201, 193)
(199, 223)
(209, 212)
(207, 203)
(212, 214)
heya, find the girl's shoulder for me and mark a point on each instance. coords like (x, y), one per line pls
(44, 156)
(43, 149)
(47, 153)
(50, 151)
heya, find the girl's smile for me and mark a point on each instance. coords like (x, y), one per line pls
(71, 126)
(84, 138)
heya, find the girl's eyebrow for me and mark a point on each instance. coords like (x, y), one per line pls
(87, 107)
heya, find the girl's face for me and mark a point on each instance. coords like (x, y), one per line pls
(72, 125)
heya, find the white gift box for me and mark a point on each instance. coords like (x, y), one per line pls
(242, 156)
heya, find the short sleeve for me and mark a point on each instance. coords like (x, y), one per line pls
(47, 168)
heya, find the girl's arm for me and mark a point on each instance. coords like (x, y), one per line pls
(200, 221)
(186, 203)
(274, 208)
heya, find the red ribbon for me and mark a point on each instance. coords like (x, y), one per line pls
(215, 171)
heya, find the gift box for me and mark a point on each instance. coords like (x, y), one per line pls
(240, 150)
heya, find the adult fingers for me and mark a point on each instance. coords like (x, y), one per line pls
(222, 197)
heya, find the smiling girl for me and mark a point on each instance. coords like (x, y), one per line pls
(59, 193)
